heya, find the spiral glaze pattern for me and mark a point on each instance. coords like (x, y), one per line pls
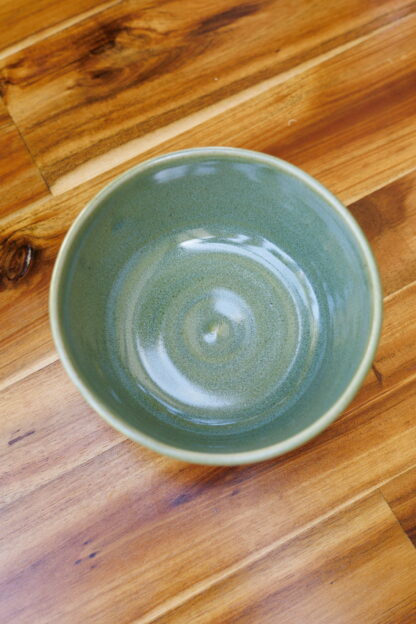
(216, 327)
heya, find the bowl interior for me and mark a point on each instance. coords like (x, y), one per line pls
(216, 301)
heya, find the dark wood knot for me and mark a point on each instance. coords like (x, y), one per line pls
(16, 258)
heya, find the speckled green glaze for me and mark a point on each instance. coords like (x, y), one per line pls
(216, 305)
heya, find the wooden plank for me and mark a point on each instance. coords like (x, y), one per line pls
(388, 218)
(20, 180)
(400, 493)
(356, 566)
(329, 119)
(395, 361)
(127, 530)
(43, 438)
(141, 68)
(23, 23)
(97, 529)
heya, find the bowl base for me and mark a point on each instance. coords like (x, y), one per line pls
(213, 328)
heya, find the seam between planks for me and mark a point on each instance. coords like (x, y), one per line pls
(198, 588)
(122, 153)
(24, 373)
(390, 507)
(22, 138)
(41, 35)
(398, 291)
(378, 398)
(348, 202)
(377, 187)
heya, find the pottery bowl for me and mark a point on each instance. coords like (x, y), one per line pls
(217, 305)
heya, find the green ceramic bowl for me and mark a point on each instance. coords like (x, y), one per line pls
(217, 305)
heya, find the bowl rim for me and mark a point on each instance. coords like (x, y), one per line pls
(201, 457)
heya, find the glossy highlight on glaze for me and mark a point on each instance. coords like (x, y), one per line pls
(217, 305)
(197, 316)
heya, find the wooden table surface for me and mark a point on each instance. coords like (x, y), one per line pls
(94, 528)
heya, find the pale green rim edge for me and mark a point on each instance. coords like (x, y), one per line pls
(223, 459)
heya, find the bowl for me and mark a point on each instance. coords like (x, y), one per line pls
(216, 305)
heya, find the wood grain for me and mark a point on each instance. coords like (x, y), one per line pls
(141, 68)
(329, 118)
(152, 522)
(28, 433)
(400, 493)
(388, 218)
(97, 529)
(23, 23)
(21, 182)
(319, 576)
